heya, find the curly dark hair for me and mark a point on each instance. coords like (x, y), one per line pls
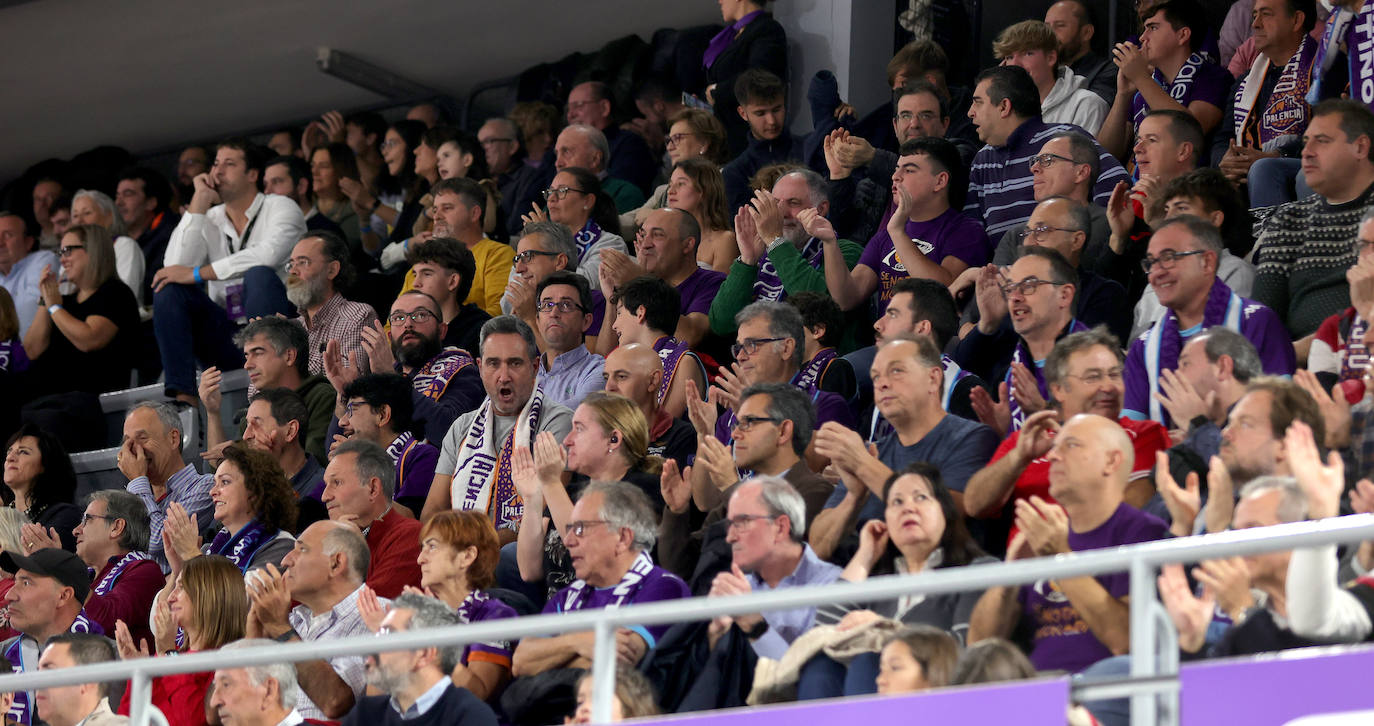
(56, 484)
(269, 490)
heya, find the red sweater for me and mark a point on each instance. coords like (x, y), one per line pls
(181, 698)
(130, 598)
(395, 544)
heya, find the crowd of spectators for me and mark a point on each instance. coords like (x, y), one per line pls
(1075, 300)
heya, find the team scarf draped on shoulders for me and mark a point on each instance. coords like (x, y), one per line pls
(482, 480)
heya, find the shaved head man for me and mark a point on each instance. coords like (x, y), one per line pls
(635, 371)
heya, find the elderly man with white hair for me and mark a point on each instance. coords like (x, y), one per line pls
(93, 207)
(263, 695)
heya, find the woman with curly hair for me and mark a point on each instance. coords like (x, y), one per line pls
(255, 506)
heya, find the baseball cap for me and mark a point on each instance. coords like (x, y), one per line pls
(61, 565)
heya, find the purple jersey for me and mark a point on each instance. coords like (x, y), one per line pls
(477, 607)
(1197, 80)
(644, 583)
(950, 234)
(1061, 639)
(699, 289)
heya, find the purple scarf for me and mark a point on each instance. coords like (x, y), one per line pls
(1163, 341)
(107, 582)
(1286, 113)
(1023, 356)
(723, 38)
(624, 592)
(809, 378)
(1178, 89)
(242, 545)
(1360, 51)
(767, 284)
(432, 380)
(585, 237)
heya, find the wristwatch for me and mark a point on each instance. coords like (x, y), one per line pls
(288, 636)
(53, 308)
(776, 241)
(759, 628)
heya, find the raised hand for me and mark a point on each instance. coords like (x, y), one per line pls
(1045, 525)
(873, 539)
(995, 414)
(902, 212)
(35, 538)
(1182, 503)
(767, 216)
(701, 413)
(132, 460)
(48, 288)
(817, 225)
(124, 641)
(1334, 407)
(1229, 580)
(377, 344)
(550, 458)
(992, 302)
(1120, 215)
(1191, 615)
(1037, 435)
(676, 486)
(179, 533)
(209, 391)
(1026, 389)
(1221, 501)
(751, 246)
(715, 460)
(525, 476)
(1323, 484)
(729, 386)
(1182, 400)
(370, 609)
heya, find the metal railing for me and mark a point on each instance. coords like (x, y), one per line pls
(1154, 656)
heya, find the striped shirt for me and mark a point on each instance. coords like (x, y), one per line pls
(1000, 184)
(189, 488)
(340, 621)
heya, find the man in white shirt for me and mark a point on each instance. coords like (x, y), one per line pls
(235, 238)
(262, 695)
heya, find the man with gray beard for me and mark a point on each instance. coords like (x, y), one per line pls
(319, 269)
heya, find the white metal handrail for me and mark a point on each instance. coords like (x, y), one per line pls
(1139, 560)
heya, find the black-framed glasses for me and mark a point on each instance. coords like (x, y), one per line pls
(751, 345)
(1097, 375)
(562, 306)
(527, 255)
(674, 139)
(86, 518)
(560, 193)
(1046, 160)
(1040, 232)
(419, 317)
(745, 423)
(1166, 259)
(740, 521)
(1028, 286)
(579, 527)
(67, 250)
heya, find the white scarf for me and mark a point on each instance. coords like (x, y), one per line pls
(482, 480)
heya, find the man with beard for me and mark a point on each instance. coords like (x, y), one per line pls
(474, 470)
(1084, 374)
(778, 253)
(444, 379)
(414, 685)
(275, 352)
(319, 268)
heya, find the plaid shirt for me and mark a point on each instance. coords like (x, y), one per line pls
(340, 621)
(341, 320)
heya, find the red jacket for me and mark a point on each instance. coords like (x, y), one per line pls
(130, 598)
(181, 698)
(394, 541)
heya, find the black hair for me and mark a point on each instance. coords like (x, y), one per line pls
(662, 302)
(946, 157)
(254, 156)
(449, 254)
(385, 389)
(933, 302)
(573, 279)
(1012, 83)
(56, 484)
(155, 185)
(757, 85)
(820, 309)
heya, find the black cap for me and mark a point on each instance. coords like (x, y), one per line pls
(58, 564)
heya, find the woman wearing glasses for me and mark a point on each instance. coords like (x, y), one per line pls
(576, 201)
(921, 530)
(609, 441)
(82, 344)
(693, 133)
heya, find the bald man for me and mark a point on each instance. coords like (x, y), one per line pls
(1078, 621)
(635, 371)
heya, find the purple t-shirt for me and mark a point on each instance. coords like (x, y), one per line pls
(1209, 82)
(1061, 639)
(657, 584)
(699, 289)
(415, 468)
(598, 312)
(477, 607)
(952, 233)
(13, 359)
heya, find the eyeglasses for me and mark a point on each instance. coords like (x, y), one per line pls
(563, 306)
(560, 192)
(1096, 375)
(69, 249)
(419, 317)
(391, 143)
(745, 423)
(740, 521)
(1046, 160)
(493, 142)
(924, 117)
(1166, 259)
(299, 262)
(1028, 286)
(86, 518)
(579, 528)
(676, 139)
(751, 345)
(527, 255)
(352, 407)
(1040, 232)
(1363, 244)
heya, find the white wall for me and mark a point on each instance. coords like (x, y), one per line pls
(851, 38)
